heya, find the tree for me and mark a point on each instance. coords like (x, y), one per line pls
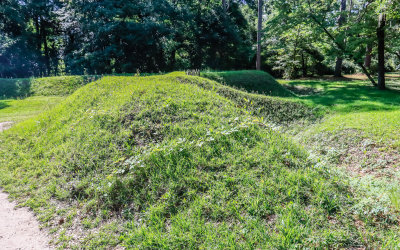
(341, 20)
(381, 50)
(259, 33)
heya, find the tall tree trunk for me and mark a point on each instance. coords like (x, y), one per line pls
(39, 43)
(46, 49)
(368, 56)
(341, 47)
(381, 50)
(224, 5)
(259, 29)
(303, 64)
(341, 20)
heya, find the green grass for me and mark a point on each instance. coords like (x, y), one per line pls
(59, 85)
(45, 86)
(274, 109)
(17, 110)
(251, 81)
(155, 162)
(360, 134)
(354, 105)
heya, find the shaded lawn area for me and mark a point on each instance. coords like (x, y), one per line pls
(354, 104)
(17, 110)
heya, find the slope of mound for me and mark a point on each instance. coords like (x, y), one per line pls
(274, 109)
(59, 85)
(44, 86)
(251, 81)
(150, 162)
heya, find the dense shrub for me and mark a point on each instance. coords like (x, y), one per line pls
(11, 88)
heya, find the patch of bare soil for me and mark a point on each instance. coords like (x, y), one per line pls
(5, 125)
(360, 156)
(19, 229)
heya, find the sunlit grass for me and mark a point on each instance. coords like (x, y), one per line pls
(165, 162)
(356, 105)
(16, 110)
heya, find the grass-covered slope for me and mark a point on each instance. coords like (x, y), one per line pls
(153, 162)
(44, 86)
(59, 85)
(274, 109)
(251, 81)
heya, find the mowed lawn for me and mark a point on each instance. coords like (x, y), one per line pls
(354, 105)
(16, 110)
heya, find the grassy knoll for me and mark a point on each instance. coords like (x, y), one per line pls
(279, 110)
(251, 81)
(155, 162)
(59, 85)
(45, 86)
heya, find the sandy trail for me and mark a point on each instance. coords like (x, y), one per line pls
(19, 228)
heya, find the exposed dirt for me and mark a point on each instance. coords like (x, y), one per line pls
(19, 228)
(356, 153)
(5, 125)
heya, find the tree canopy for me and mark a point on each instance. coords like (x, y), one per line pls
(299, 38)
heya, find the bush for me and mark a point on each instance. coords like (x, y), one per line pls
(12, 88)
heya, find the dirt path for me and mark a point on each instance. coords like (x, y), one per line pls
(19, 228)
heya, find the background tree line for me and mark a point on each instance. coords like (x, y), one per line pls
(299, 38)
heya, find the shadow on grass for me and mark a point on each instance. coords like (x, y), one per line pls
(350, 96)
(3, 104)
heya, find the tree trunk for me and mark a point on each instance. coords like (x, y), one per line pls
(368, 57)
(338, 66)
(224, 5)
(341, 20)
(303, 64)
(259, 29)
(39, 44)
(46, 49)
(381, 50)
(340, 46)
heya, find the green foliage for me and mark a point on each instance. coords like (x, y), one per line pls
(11, 88)
(174, 165)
